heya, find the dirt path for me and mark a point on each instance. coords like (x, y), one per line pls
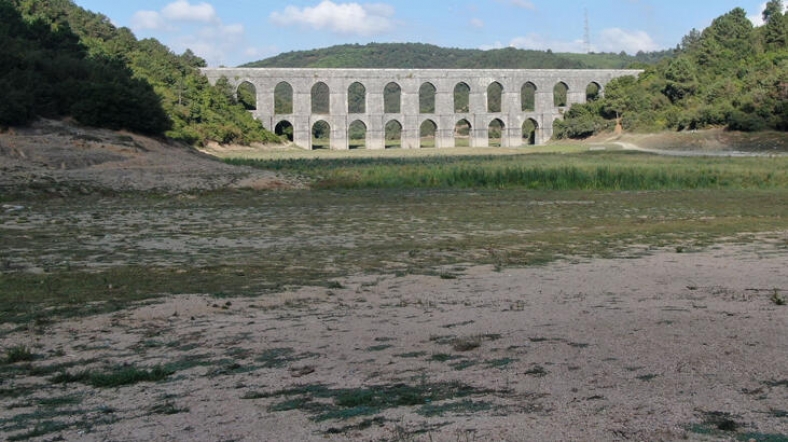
(691, 153)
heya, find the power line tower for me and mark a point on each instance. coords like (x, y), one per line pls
(587, 35)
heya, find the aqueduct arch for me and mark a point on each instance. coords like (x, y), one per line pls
(526, 96)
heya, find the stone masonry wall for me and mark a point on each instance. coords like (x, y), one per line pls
(410, 118)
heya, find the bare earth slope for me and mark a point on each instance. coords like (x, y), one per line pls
(60, 157)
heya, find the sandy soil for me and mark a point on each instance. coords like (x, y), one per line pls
(633, 349)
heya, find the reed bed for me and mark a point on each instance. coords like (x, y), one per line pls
(606, 171)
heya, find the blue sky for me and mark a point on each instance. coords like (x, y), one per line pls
(233, 32)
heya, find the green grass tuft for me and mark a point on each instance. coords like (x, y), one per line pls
(118, 377)
(324, 403)
(41, 429)
(18, 353)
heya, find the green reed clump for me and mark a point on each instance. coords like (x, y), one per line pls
(584, 171)
(559, 177)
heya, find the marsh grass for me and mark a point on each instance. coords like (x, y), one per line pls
(647, 377)
(117, 377)
(18, 353)
(444, 357)
(54, 414)
(167, 408)
(40, 429)
(281, 357)
(726, 426)
(601, 171)
(761, 437)
(463, 364)
(325, 403)
(412, 354)
(463, 407)
(500, 363)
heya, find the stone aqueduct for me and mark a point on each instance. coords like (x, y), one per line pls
(511, 115)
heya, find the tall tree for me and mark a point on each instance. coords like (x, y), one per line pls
(775, 31)
(773, 8)
(729, 39)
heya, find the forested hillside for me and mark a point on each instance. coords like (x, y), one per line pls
(731, 74)
(59, 60)
(425, 56)
(45, 71)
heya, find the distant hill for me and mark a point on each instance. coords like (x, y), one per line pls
(425, 56)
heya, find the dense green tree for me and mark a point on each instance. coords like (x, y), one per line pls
(48, 72)
(681, 78)
(247, 96)
(729, 75)
(729, 38)
(775, 31)
(772, 9)
(690, 41)
(75, 62)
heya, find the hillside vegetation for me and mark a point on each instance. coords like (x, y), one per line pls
(731, 75)
(425, 56)
(59, 60)
(45, 71)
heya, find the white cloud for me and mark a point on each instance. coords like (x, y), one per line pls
(253, 53)
(524, 4)
(496, 45)
(216, 42)
(477, 23)
(199, 28)
(339, 18)
(148, 20)
(539, 43)
(609, 40)
(222, 33)
(617, 40)
(179, 11)
(182, 10)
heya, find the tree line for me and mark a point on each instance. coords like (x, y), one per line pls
(426, 56)
(732, 74)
